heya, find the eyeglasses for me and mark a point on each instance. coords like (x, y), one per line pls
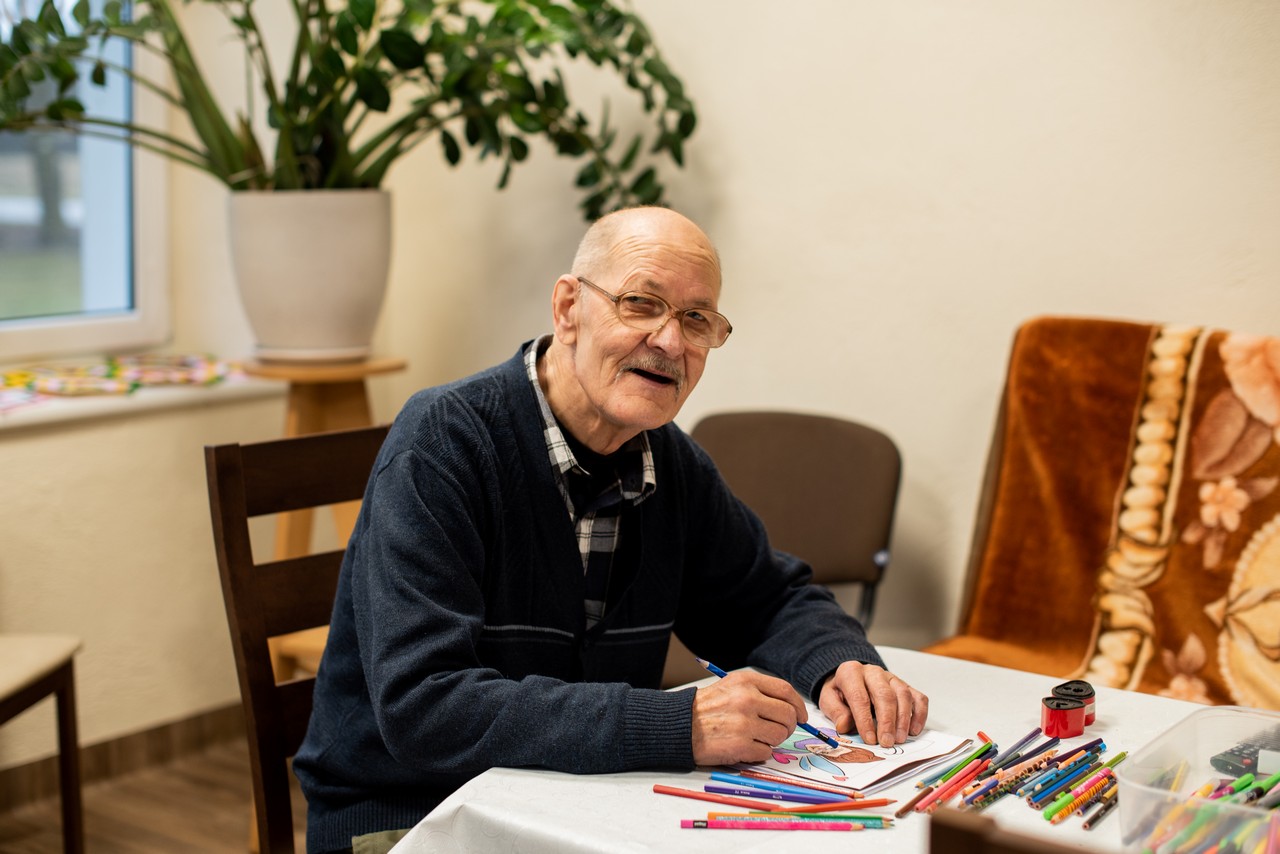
(700, 327)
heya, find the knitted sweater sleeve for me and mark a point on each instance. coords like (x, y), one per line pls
(433, 511)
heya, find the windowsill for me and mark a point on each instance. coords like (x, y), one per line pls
(64, 410)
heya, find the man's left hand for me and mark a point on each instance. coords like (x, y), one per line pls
(851, 693)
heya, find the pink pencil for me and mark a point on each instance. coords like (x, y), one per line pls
(724, 824)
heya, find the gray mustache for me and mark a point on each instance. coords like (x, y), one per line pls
(655, 364)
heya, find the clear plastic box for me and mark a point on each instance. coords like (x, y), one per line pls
(1157, 784)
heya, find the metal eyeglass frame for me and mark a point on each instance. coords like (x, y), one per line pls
(678, 313)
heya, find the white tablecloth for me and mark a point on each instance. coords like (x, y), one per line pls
(524, 811)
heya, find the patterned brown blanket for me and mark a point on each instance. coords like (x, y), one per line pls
(1130, 527)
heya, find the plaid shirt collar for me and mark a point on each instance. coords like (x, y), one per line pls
(638, 478)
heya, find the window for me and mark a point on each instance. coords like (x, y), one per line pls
(83, 243)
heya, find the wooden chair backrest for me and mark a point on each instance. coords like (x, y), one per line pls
(275, 597)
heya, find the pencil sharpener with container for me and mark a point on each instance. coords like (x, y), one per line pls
(1161, 786)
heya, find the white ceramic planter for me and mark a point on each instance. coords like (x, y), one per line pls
(311, 268)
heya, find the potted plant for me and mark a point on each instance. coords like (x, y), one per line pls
(367, 82)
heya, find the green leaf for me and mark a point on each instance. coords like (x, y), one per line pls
(15, 87)
(629, 159)
(675, 145)
(80, 12)
(452, 152)
(519, 87)
(688, 121)
(63, 71)
(644, 182)
(363, 10)
(19, 43)
(331, 62)
(593, 205)
(472, 130)
(523, 119)
(589, 176)
(99, 74)
(111, 11)
(506, 176)
(402, 49)
(50, 19)
(34, 73)
(345, 30)
(65, 108)
(519, 149)
(568, 144)
(372, 90)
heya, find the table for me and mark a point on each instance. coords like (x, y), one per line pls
(545, 812)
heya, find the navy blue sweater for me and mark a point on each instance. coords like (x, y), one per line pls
(458, 640)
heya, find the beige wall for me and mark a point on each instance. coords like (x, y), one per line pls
(893, 186)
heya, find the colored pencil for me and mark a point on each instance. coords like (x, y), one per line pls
(955, 785)
(777, 786)
(712, 824)
(1005, 757)
(866, 803)
(867, 820)
(829, 788)
(707, 796)
(865, 823)
(910, 805)
(745, 791)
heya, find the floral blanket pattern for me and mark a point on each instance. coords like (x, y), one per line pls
(1131, 525)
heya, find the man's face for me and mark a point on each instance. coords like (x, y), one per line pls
(631, 380)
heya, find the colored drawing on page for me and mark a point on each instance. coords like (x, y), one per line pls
(854, 764)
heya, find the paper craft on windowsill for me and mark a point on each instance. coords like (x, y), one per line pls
(864, 768)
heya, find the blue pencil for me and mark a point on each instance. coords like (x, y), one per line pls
(812, 730)
(756, 783)
(769, 794)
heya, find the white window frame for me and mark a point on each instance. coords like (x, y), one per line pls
(148, 323)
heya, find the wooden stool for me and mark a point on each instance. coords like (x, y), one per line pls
(323, 396)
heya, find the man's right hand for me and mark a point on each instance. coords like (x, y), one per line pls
(741, 717)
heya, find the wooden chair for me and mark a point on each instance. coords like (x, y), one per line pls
(33, 667)
(955, 832)
(277, 597)
(826, 489)
(1130, 503)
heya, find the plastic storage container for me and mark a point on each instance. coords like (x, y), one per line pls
(1159, 785)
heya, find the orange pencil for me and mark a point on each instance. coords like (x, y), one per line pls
(955, 785)
(866, 803)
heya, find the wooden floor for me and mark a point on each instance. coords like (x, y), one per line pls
(196, 804)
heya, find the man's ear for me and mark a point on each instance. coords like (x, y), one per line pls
(564, 309)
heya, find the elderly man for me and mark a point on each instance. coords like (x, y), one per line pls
(530, 538)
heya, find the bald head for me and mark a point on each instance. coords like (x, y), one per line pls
(616, 235)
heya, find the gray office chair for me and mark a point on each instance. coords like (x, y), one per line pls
(826, 489)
